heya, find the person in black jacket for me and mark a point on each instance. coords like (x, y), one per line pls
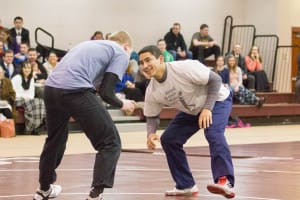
(20, 34)
(176, 44)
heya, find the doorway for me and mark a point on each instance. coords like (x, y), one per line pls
(295, 52)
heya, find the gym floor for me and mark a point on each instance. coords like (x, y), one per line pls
(266, 160)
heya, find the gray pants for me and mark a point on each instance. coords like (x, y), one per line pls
(84, 106)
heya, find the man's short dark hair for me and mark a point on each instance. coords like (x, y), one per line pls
(18, 18)
(51, 52)
(25, 43)
(32, 49)
(8, 51)
(176, 24)
(203, 26)
(154, 50)
(160, 40)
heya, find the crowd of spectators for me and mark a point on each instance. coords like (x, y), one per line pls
(22, 70)
(22, 76)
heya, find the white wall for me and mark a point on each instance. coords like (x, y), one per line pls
(72, 21)
(289, 16)
(273, 17)
(262, 14)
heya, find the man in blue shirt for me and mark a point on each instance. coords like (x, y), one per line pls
(70, 89)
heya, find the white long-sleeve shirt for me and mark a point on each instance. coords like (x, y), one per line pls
(20, 91)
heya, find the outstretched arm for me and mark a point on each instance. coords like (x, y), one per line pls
(107, 93)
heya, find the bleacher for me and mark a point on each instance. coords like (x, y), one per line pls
(280, 106)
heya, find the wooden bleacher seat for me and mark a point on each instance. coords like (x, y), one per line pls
(277, 104)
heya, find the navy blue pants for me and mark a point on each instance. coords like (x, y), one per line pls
(181, 128)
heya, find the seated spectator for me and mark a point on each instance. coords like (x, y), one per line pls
(7, 96)
(203, 45)
(134, 56)
(121, 85)
(18, 32)
(222, 71)
(135, 67)
(23, 55)
(132, 87)
(254, 66)
(136, 90)
(1, 50)
(51, 62)
(176, 44)
(241, 94)
(248, 79)
(133, 60)
(98, 35)
(161, 44)
(297, 88)
(39, 73)
(8, 41)
(10, 69)
(23, 85)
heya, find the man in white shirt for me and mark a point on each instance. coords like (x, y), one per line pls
(203, 102)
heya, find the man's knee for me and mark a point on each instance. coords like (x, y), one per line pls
(167, 139)
(189, 54)
(164, 139)
(173, 53)
(250, 81)
(216, 49)
(251, 78)
(198, 53)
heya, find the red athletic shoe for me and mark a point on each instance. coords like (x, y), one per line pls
(183, 192)
(223, 187)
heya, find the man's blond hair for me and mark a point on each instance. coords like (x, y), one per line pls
(121, 37)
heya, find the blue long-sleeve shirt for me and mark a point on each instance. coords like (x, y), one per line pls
(122, 84)
(224, 75)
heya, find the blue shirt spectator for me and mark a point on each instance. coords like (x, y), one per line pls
(134, 56)
(222, 70)
(121, 85)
